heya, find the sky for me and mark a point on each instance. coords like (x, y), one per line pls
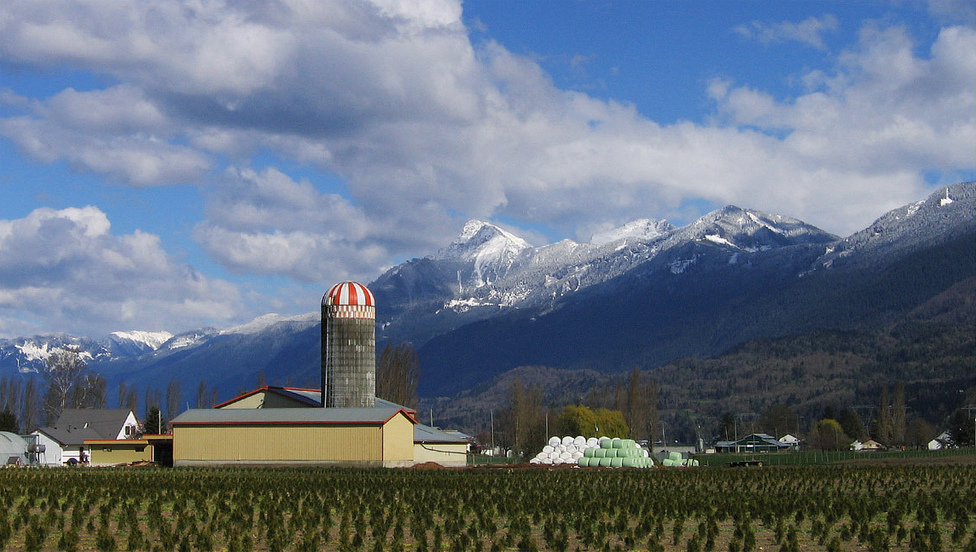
(170, 165)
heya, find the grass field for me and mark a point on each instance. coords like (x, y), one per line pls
(916, 506)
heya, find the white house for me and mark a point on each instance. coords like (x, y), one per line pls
(790, 440)
(943, 441)
(64, 442)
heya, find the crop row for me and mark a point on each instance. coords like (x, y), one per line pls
(821, 508)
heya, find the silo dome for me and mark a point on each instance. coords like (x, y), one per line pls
(349, 294)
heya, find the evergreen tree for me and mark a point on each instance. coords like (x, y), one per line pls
(851, 423)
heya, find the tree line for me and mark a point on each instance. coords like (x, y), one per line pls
(625, 407)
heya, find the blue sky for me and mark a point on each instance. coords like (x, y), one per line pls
(169, 165)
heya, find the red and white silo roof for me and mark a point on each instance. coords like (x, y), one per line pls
(350, 294)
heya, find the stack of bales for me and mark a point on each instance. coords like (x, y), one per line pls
(593, 452)
(674, 460)
(564, 450)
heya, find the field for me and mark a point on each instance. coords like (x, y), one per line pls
(819, 508)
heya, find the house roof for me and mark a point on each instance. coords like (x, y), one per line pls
(75, 425)
(290, 416)
(426, 434)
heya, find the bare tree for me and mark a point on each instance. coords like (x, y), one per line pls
(89, 392)
(882, 429)
(65, 372)
(31, 404)
(523, 421)
(397, 375)
(173, 398)
(132, 400)
(898, 415)
(639, 405)
(202, 395)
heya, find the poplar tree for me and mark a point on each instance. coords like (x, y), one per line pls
(397, 375)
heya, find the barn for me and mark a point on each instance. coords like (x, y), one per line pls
(342, 423)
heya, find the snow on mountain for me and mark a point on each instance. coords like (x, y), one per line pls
(266, 321)
(947, 212)
(153, 340)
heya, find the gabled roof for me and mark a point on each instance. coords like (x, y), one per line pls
(290, 416)
(306, 397)
(77, 424)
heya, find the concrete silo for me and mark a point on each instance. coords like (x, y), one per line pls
(348, 347)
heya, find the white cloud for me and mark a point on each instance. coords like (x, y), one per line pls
(426, 130)
(266, 223)
(65, 268)
(809, 31)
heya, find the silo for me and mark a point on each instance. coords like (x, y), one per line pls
(348, 347)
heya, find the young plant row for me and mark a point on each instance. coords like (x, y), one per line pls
(816, 508)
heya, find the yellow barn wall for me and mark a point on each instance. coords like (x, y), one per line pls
(390, 444)
(398, 440)
(119, 453)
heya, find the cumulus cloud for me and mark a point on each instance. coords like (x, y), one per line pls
(66, 268)
(426, 129)
(267, 223)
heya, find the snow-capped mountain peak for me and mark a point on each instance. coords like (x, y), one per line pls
(484, 242)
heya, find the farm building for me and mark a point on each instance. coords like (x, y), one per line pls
(757, 442)
(64, 442)
(147, 448)
(301, 408)
(341, 423)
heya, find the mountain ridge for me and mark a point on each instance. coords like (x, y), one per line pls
(641, 295)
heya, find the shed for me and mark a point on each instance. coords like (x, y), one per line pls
(442, 447)
(148, 448)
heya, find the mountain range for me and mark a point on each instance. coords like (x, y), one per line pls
(642, 295)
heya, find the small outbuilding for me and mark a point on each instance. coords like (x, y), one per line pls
(449, 449)
(13, 449)
(157, 449)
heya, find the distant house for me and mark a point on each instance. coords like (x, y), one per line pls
(64, 442)
(867, 446)
(791, 440)
(757, 442)
(941, 442)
